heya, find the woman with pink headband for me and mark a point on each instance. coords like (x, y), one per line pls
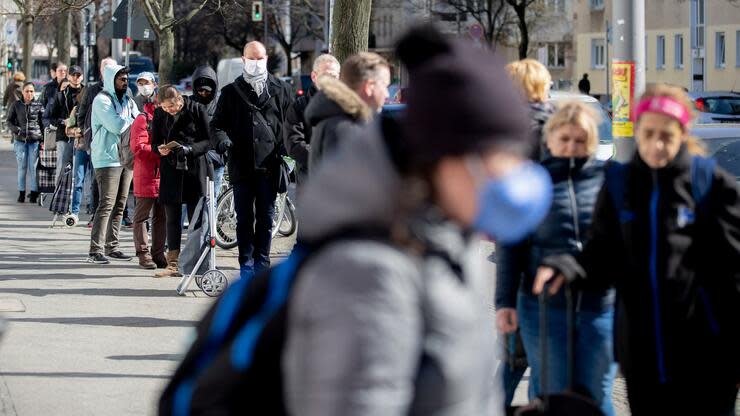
(666, 234)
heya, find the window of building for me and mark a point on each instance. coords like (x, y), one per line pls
(699, 36)
(678, 52)
(556, 55)
(719, 50)
(598, 54)
(597, 4)
(555, 6)
(660, 52)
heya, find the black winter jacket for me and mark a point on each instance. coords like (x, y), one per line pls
(24, 120)
(59, 109)
(298, 133)
(336, 114)
(539, 114)
(576, 184)
(84, 111)
(205, 75)
(189, 127)
(677, 274)
(253, 146)
(49, 92)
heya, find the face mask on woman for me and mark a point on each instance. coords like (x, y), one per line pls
(512, 206)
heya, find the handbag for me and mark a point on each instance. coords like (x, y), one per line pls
(50, 138)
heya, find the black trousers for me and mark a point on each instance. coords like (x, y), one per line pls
(173, 211)
(254, 203)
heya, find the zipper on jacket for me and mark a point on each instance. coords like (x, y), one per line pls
(574, 205)
(654, 199)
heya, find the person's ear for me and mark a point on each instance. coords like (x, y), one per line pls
(367, 88)
(314, 76)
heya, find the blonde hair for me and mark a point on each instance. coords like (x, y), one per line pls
(579, 114)
(694, 145)
(361, 67)
(19, 76)
(531, 77)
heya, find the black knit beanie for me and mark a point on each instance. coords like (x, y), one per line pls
(460, 100)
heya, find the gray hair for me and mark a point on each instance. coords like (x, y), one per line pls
(106, 62)
(322, 59)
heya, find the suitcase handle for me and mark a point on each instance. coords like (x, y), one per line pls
(544, 356)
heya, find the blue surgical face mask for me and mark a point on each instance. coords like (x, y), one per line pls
(510, 207)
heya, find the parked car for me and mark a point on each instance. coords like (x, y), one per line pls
(606, 141)
(138, 64)
(717, 107)
(228, 70)
(723, 143)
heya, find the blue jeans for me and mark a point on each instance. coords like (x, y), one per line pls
(81, 166)
(218, 178)
(27, 155)
(254, 203)
(594, 366)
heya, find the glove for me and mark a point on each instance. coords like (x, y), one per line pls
(185, 150)
(225, 146)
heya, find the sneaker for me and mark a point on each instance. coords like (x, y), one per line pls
(117, 255)
(98, 258)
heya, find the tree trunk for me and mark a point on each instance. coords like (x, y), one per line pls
(166, 56)
(521, 14)
(28, 46)
(64, 35)
(350, 27)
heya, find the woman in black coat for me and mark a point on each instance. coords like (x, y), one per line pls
(666, 233)
(184, 169)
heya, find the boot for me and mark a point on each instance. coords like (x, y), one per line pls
(22, 197)
(172, 262)
(160, 261)
(33, 197)
(146, 262)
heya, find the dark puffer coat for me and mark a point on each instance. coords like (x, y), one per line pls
(24, 120)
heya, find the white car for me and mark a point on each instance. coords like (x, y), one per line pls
(606, 142)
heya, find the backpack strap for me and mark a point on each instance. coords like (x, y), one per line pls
(702, 176)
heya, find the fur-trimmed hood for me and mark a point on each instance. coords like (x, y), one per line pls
(336, 99)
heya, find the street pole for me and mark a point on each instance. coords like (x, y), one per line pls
(629, 52)
(607, 42)
(129, 5)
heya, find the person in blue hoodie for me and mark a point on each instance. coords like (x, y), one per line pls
(113, 112)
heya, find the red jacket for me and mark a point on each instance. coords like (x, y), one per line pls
(146, 162)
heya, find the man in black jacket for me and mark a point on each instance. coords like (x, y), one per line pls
(57, 112)
(297, 130)
(51, 87)
(342, 107)
(205, 91)
(248, 123)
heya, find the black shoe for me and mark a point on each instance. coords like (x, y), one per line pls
(98, 258)
(33, 197)
(117, 255)
(22, 197)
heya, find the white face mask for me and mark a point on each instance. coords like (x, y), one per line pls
(255, 67)
(146, 90)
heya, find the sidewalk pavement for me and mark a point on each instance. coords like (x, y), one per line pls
(85, 339)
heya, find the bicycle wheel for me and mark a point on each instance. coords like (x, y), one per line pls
(289, 224)
(277, 217)
(226, 220)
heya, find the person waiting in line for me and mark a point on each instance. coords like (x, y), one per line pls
(577, 176)
(14, 92)
(666, 233)
(24, 122)
(184, 168)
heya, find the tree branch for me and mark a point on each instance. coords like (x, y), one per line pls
(187, 17)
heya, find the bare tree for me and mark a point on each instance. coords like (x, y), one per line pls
(161, 15)
(494, 16)
(292, 22)
(350, 27)
(526, 12)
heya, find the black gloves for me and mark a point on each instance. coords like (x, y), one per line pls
(184, 150)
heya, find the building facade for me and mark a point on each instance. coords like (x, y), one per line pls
(694, 44)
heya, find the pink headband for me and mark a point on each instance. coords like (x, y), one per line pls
(664, 105)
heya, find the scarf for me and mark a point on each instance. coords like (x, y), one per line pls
(258, 82)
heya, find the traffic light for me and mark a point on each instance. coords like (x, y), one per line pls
(256, 11)
(10, 65)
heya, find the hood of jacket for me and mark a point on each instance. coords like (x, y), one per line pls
(336, 99)
(359, 188)
(109, 78)
(205, 75)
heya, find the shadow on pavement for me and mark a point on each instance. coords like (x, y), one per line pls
(122, 321)
(83, 375)
(145, 293)
(152, 357)
(55, 276)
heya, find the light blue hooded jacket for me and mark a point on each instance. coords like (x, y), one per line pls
(110, 118)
